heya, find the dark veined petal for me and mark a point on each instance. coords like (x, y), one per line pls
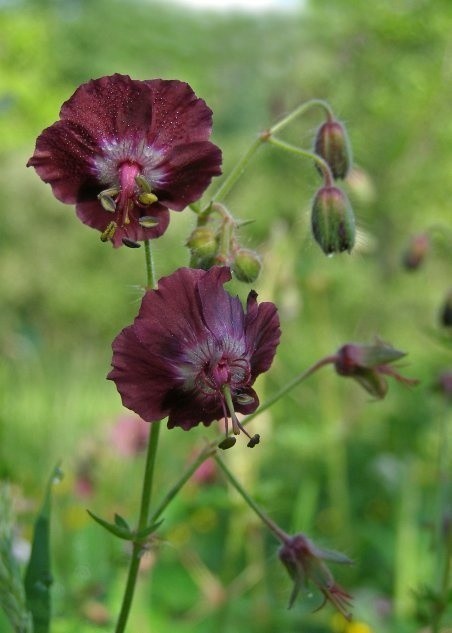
(188, 171)
(111, 107)
(222, 314)
(179, 116)
(142, 383)
(114, 129)
(262, 333)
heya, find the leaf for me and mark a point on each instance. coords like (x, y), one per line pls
(38, 576)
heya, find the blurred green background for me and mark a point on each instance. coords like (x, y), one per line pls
(357, 476)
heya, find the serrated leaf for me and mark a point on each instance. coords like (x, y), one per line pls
(38, 576)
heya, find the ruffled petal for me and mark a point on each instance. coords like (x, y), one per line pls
(188, 170)
(62, 158)
(262, 334)
(178, 115)
(141, 379)
(222, 314)
(111, 107)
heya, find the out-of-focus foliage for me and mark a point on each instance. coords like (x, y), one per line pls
(359, 476)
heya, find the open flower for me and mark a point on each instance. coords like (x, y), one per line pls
(126, 151)
(193, 353)
(305, 562)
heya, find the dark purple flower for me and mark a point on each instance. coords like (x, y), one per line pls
(125, 151)
(193, 353)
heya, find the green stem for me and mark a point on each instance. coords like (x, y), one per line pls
(264, 137)
(299, 111)
(146, 492)
(443, 538)
(280, 534)
(322, 164)
(290, 385)
(150, 270)
(210, 449)
(238, 170)
(137, 549)
(207, 452)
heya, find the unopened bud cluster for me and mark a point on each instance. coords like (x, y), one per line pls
(216, 244)
(332, 217)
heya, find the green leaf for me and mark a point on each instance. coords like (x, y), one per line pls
(38, 577)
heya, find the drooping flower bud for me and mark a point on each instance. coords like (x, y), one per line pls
(417, 249)
(305, 562)
(203, 246)
(333, 221)
(332, 144)
(369, 364)
(446, 311)
(443, 384)
(246, 265)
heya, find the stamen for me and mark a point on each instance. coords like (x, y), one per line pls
(107, 202)
(148, 222)
(244, 398)
(109, 232)
(130, 243)
(142, 184)
(228, 442)
(236, 426)
(147, 198)
(111, 192)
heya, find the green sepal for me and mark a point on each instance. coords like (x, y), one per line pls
(119, 528)
(147, 530)
(38, 577)
(121, 522)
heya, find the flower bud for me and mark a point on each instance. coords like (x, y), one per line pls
(246, 265)
(305, 562)
(202, 242)
(332, 144)
(416, 251)
(333, 221)
(369, 365)
(446, 311)
(443, 384)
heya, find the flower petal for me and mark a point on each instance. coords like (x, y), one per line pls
(262, 333)
(142, 383)
(187, 170)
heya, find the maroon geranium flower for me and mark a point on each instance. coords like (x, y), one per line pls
(126, 151)
(193, 353)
